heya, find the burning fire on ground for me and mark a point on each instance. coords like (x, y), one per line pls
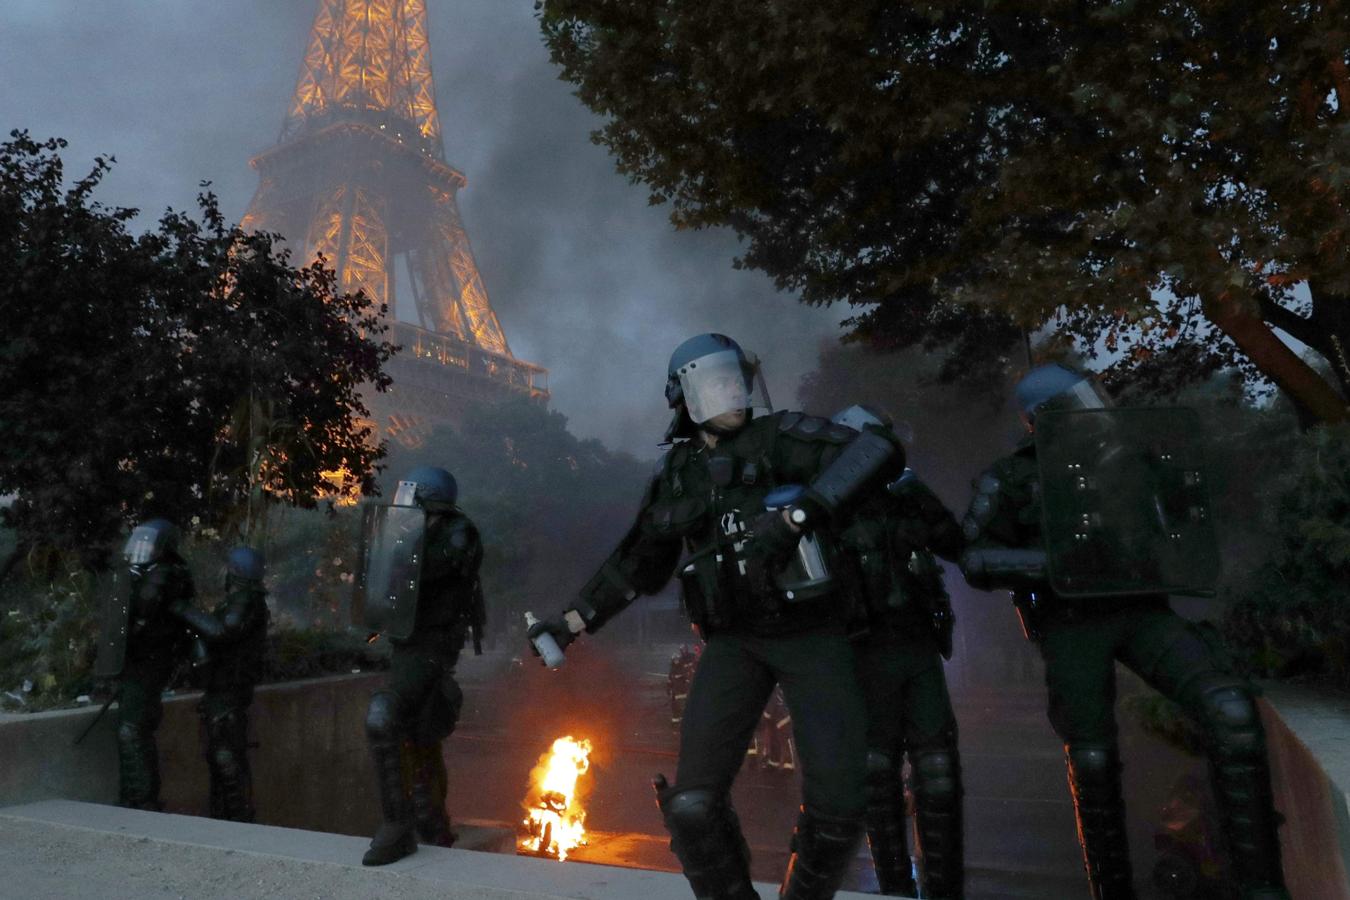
(554, 817)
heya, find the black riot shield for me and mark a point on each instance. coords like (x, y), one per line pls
(114, 622)
(1125, 505)
(390, 569)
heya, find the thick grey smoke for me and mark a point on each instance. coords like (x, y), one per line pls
(588, 280)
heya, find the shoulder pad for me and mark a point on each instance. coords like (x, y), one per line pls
(815, 428)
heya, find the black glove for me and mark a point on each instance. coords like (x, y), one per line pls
(770, 546)
(554, 625)
(772, 540)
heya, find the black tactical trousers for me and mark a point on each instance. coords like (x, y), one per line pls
(139, 711)
(224, 713)
(905, 689)
(910, 711)
(1183, 662)
(405, 724)
(735, 676)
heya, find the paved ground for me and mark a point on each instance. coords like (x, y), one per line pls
(60, 849)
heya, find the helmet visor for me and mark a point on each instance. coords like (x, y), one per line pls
(1087, 394)
(406, 495)
(714, 384)
(143, 546)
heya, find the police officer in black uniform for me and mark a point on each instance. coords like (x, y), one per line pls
(755, 587)
(1082, 637)
(157, 641)
(905, 630)
(235, 633)
(419, 706)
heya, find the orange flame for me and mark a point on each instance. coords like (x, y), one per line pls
(554, 818)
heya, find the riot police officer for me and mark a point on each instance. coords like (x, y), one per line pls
(905, 630)
(419, 585)
(1014, 519)
(757, 587)
(145, 638)
(235, 633)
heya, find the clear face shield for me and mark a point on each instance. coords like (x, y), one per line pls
(143, 546)
(717, 384)
(713, 385)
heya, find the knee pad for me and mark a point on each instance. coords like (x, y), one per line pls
(1093, 767)
(937, 778)
(224, 760)
(383, 719)
(129, 733)
(692, 811)
(880, 763)
(883, 779)
(1231, 721)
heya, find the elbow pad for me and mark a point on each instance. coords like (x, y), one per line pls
(988, 568)
(606, 595)
(862, 459)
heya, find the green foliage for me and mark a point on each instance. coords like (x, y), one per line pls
(1151, 179)
(47, 646)
(1294, 620)
(189, 372)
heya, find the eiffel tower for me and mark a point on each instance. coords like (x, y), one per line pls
(359, 175)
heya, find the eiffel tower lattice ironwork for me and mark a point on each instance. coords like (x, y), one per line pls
(359, 175)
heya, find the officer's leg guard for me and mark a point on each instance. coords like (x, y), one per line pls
(1240, 773)
(821, 849)
(395, 838)
(1094, 780)
(227, 744)
(138, 760)
(428, 794)
(705, 836)
(938, 820)
(885, 818)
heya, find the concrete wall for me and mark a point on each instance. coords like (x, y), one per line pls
(311, 766)
(1309, 739)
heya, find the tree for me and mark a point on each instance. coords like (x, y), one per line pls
(1139, 176)
(189, 372)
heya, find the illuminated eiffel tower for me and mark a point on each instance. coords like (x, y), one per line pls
(359, 175)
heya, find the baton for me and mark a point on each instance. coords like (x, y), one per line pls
(90, 727)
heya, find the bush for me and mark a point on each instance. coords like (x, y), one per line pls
(1294, 618)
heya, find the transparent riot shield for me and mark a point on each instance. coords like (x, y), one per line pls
(390, 569)
(1125, 504)
(114, 623)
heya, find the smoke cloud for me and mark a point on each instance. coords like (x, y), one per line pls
(588, 280)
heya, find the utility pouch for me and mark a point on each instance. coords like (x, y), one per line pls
(701, 593)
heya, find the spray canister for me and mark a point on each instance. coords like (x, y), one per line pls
(545, 643)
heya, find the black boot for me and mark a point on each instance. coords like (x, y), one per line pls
(428, 795)
(938, 821)
(886, 827)
(821, 850)
(1240, 773)
(1094, 779)
(395, 838)
(705, 836)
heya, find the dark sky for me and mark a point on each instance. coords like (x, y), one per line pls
(587, 279)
